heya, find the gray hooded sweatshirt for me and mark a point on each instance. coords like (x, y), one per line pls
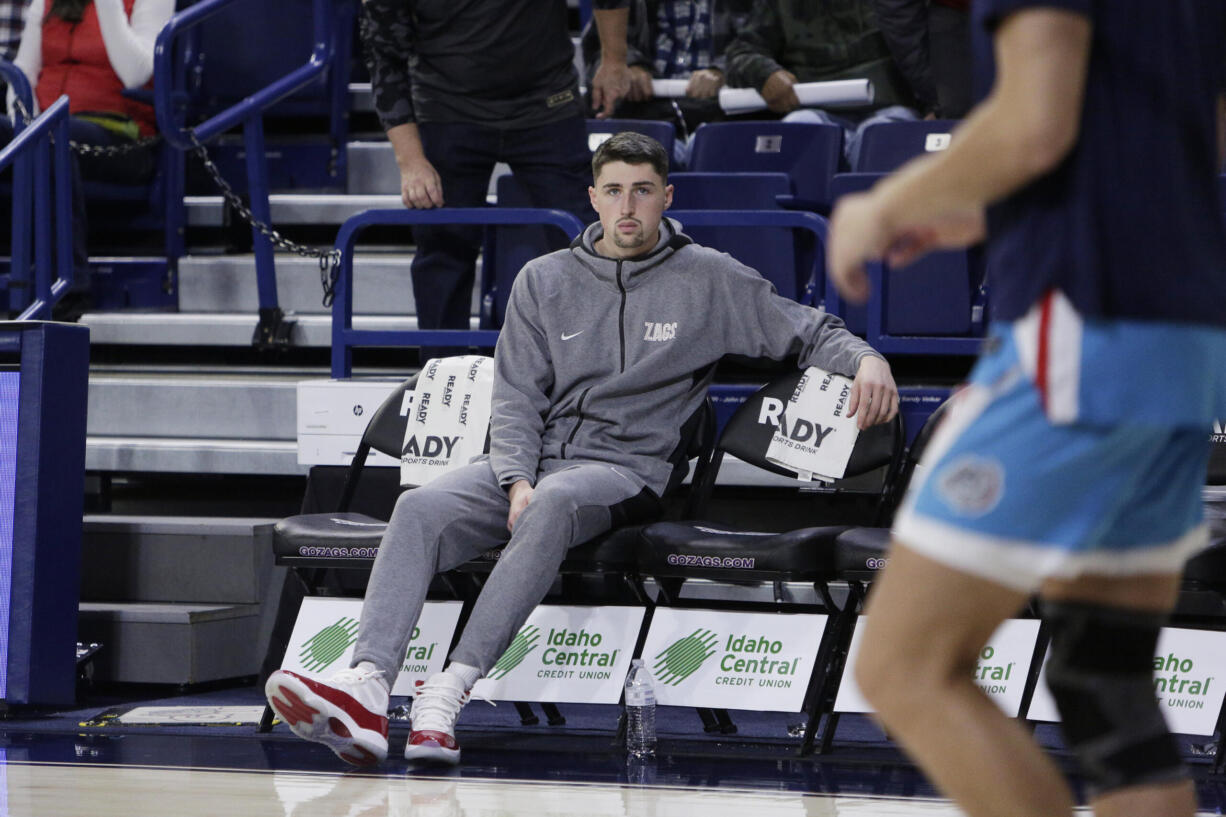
(604, 360)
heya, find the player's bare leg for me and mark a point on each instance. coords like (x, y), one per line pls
(925, 627)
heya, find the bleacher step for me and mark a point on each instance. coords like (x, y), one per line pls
(190, 455)
(227, 283)
(293, 208)
(372, 170)
(185, 559)
(158, 643)
(221, 329)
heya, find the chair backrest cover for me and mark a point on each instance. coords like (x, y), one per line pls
(807, 152)
(748, 433)
(885, 146)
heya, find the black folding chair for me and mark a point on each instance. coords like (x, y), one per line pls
(673, 552)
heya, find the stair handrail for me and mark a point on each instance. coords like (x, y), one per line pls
(165, 75)
(272, 329)
(345, 338)
(42, 171)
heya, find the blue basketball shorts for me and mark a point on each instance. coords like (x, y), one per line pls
(1078, 447)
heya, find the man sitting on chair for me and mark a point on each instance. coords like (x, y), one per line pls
(607, 348)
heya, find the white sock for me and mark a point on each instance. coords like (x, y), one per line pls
(469, 675)
(369, 666)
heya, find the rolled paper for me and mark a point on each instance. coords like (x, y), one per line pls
(842, 93)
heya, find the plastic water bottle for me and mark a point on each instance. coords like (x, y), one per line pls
(640, 711)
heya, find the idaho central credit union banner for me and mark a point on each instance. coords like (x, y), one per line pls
(566, 654)
(326, 630)
(448, 417)
(759, 661)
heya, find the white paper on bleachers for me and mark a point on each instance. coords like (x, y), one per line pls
(814, 436)
(1001, 671)
(566, 654)
(448, 417)
(1189, 681)
(841, 93)
(732, 660)
(327, 629)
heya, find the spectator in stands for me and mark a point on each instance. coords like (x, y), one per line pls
(92, 50)
(672, 39)
(12, 15)
(586, 433)
(459, 87)
(787, 42)
(931, 43)
(1072, 466)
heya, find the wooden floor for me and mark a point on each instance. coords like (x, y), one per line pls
(69, 790)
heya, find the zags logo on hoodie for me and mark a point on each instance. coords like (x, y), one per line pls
(660, 331)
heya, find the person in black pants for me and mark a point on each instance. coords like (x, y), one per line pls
(459, 86)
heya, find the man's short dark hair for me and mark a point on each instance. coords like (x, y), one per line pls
(633, 149)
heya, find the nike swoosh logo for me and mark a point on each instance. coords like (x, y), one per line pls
(568, 337)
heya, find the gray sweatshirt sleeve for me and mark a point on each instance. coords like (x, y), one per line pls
(523, 376)
(763, 324)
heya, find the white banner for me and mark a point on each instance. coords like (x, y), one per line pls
(1189, 681)
(448, 417)
(326, 630)
(814, 436)
(566, 654)
(759, 661)
(1001, 672)
(840, 93)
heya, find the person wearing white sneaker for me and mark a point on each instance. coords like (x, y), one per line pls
(347, 713)
(605, 353)
(436, 705)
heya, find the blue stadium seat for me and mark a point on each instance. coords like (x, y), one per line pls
(600, 129)
(885, 146)
(772, 252)
(931, 297)
(808, 153)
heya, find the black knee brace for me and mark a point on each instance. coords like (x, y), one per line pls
(1101, 674)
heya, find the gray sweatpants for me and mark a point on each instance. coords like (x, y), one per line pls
(464, 513)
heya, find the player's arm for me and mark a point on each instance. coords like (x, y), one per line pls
(1023, 130)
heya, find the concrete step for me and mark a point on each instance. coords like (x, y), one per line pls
(155, 643)
(373, 170)
(221, 329)
(227, 283)
(191, 455)
(205, 405)
(293, 208)
(175, 559)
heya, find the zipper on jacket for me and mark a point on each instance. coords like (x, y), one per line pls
(578, 422)
(621, 315)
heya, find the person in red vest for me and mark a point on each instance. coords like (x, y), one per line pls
(93, 50)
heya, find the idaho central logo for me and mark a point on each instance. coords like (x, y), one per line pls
(322, 649)
(524, 643)
(683, 657)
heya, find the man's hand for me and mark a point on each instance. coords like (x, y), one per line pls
(861, 231)
(640, 84)
(520, 494)
(610, 84)
(420, 186)
(874, 397)
(705, 83)
(778, 92)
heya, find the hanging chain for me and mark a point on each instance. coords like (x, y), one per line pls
(329, 260)
(86, 149)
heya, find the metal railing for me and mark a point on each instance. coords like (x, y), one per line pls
(42, 203)
(345, 338)
(248, 113)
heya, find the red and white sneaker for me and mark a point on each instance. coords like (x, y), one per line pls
(437, 702)
(347, 713)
